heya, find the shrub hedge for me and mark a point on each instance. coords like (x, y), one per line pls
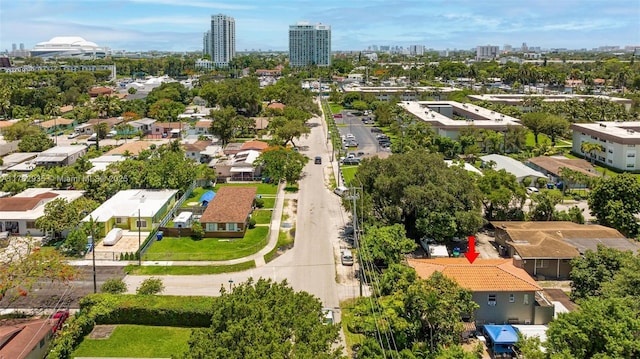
(170, 311)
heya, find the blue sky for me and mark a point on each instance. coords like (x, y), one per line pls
(177, 25)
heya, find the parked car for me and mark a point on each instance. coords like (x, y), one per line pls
(376, 130)
(350, 136)
(73, 135)
(352, 143)
(346, 258)
(341, 191)
(318, 160)
(59, 318)
(531, 190)
(351, 161)
(328, 316)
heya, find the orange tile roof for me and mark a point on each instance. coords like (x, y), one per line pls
(57, 122)
(254, 145)
(481, 276)
(133, 147)
(203, 124)
(230, 205)
(277, 105)
(20, 339)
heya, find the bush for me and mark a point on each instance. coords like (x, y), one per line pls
(114, 286)
(259, 202)
(252, 223)
(197, 232)
(150, 286)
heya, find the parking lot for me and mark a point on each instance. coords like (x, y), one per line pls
(358, 137)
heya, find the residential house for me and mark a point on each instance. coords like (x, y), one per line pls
(123, 209)
(552, 168)
(26, 339)
(66, 109)
(228, 214)
(261, 123)
(15, 158)
(504, 292)
(101, 163)
(167, 129)
(232, 148)
(60, 155)
(547, 248)
(88, 128)
(512, 166)
(18, 214)
(202, 127)
(254, 146)
(97, 91)
(195, 149)
(276, 106)
(143, 125)
(239, 167)
(619, 141)
(57, 124)
(210, 154)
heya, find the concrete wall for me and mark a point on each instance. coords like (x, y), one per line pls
(519, 311)
(547, 268)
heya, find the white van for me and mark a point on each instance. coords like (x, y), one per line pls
(341, 191)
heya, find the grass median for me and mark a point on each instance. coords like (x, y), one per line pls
(189, 270)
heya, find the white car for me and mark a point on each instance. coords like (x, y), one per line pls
(531, 190)
(350, 136)
(73, 135)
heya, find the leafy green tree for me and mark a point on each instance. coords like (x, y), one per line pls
(626, 281)
(281, 163)
(503, 196)
(385, 245)
(20, 130)
(554, 127)
(224, 124)
(264, 319)
(536, 122)
(37, 142)
(132, 91)
(114, 286)
(150, 286)
(615, 202)
(166, 110)
(590, 271)
(420, 191)
(530, 347)
(543, 205)
(285, 130)
(599, 328)
(60, 214)
(75, 244)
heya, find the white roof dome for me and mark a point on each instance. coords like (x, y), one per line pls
(72, 41)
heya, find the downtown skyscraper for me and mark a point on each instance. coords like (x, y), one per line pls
(220, 41)
(309, 44)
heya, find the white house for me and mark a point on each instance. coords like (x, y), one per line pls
(101, 163)
(18, 214)
(515, 167)
(619, 141)
(60, 155)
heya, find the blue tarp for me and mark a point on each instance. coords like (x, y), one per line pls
(501, 337)
(206, 198)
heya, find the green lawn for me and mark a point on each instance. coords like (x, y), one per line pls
(207, 249)
(137, 341)
(195, 196)
(335, 108)
(348, 318)
(262, 216)
(189, 270)
(542, 138)
(284, 239)
(269, 202)
(263, 188)
(349, 173)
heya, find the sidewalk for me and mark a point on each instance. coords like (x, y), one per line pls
(258, 257)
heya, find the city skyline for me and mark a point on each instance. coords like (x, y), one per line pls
(165, 25)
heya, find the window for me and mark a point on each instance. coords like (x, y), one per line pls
(512, 298)
(222, 226)
(31, 224)
(492, 300)
(141, 223)
(631, 154)
(211, 227)
(232, 226)
(118, 220)
(630, 165)
(526, 299)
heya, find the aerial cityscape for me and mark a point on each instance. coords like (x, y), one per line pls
(356, 179)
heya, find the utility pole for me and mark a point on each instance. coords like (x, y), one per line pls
(93, 252)
(139, 241)
(356, 230)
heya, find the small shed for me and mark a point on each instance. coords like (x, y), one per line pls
(206, 198)
(501, 338)
(183, 220)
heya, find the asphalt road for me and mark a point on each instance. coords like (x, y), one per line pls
(310, 264)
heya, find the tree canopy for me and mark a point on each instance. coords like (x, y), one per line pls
(265, 319)
(615, 202)
(418, 190)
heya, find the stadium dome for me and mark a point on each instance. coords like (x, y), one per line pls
(68, 47)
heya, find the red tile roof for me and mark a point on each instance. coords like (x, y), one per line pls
(230, 205)
(481, 276)
(23, 204)
(277, 105)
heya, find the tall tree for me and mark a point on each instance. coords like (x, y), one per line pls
(385, 245)
(615, 202)
(503, 196)
(593, 269)
(264, 319)
(536, 122)
(224, 124)
(281, 163)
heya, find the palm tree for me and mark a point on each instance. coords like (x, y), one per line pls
(591, 148)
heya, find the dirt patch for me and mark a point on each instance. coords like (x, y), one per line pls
(102, 331)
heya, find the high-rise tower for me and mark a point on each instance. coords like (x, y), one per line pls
(220, 41)
(309, 44)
